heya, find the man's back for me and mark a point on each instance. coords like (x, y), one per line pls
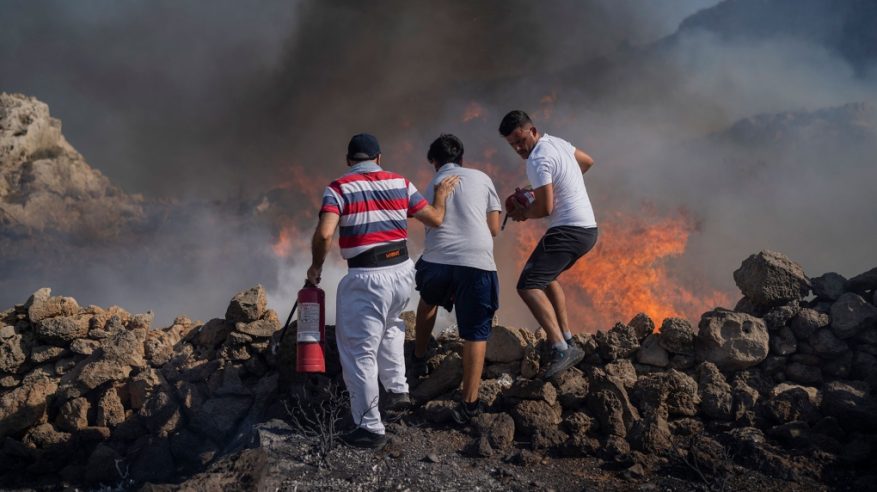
(464, 238)
(374, 206)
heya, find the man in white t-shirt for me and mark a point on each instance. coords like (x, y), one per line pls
(555, 169)
(457, 270)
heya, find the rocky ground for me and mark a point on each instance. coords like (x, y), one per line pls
(776, 393)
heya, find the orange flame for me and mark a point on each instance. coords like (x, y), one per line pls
(627, 272)
(630, 270)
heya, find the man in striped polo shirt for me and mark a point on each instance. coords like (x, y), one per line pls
(372, 207)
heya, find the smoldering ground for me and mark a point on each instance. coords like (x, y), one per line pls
(220, 102)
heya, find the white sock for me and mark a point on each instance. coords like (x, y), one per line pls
(561, 345)
(567, 336)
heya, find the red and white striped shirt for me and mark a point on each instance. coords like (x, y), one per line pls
(374, 206)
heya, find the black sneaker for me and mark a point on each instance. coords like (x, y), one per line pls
(464, 412)
(562, 360)
(419, 368)
(362, 438)
(397, 402)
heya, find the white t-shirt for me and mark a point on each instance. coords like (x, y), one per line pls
(463, 239)
(553, 161)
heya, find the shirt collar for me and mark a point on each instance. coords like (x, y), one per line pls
(449, 165)
(365, 167)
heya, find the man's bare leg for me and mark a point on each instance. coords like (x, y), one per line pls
(542, 309)
(555, 295)
(426, 315)
(473, 364)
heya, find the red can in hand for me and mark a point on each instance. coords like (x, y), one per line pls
(522, 198)
(311, 330)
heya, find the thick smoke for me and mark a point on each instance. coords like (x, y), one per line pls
(220, 101)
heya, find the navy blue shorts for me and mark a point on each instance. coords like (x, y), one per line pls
(474, 292)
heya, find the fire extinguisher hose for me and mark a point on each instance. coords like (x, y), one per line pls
(286, 325)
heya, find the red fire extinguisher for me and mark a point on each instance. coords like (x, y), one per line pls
(311, 337)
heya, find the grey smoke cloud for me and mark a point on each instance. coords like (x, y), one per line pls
(200, 101)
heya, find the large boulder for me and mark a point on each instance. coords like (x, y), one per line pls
(651, 434)
(531, 389)
(445, 378)
(125, 346)
(789, 403)
(715, 392)
(620, 342)
(624, 370)
(673, 389)
(732, 341)
(777, 317)
(261, 328)
(807, 322)
(13, 353)
(642, 325)
(96, 371)
(247, 306)
(507, 344)
(535, 416)
(25, 405)
(851, 403)
(829, 286)
(863, 281)
(851, 314)
(609, 403)
(61, 330)
(41, 306)
(651, 352)
(73, 415)
(498, 429)
(677, 336)
(770, 279)
(110, 411)
(572, 388)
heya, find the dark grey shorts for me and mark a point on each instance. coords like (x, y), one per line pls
(557, 251)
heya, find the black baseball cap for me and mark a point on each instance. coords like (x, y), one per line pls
(363, 146)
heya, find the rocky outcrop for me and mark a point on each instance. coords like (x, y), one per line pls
(46, 187)
(87, 385)
(770, 278)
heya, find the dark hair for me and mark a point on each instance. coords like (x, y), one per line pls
(447, 148)
(512, 121)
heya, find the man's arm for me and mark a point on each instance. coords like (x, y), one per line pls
(433, 215)
(585, 161)
(542, 206)
(493, 222)
(321, 243)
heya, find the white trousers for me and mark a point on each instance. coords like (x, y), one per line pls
(371, 336)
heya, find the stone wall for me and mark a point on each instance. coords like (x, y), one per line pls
(91, 395)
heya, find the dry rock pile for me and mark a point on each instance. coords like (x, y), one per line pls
(783, 384)
(93, 395)
(781, 378)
